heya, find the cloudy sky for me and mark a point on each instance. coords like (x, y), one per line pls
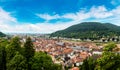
(46, 16)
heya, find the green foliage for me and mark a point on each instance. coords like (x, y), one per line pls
(91, 30)
(12, 48)
(2, 58)
(110, 47)
(28, 49)
(3, 44)
(109, 60)
(88, 64)
(15, 57)
(28, 52)
(12, 58)
(18, 62)
(42, 61)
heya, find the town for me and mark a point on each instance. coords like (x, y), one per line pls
(59, 34)
(69, 54)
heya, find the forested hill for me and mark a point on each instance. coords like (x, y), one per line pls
(2, 34)
(94, 30)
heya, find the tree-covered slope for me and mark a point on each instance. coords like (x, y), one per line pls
(94, 30)
(2, 34)
(112, 27)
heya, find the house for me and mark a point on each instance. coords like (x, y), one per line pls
(60, 43)
(74, 68)
(97, 51)
(77, 61)
(68, 52)
(84, 55)
(80, 48)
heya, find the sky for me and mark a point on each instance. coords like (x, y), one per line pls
(47, 16)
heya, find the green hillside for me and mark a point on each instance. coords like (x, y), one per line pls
(2, 34)
(91, 30)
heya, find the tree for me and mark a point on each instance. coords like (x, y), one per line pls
(28, 51)
(12, 48)
(2, 58)
(3, 44)
(88, 64)
(42, 61)
(84, 65)
(18, 62)
(15, 43)
(91, 30)
(28, 48)
(12, 59)
(109, 60)
(110, 47)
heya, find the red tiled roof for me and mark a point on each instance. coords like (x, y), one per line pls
(84, 55)
(74, 68)
(67, 50)
(77, 59)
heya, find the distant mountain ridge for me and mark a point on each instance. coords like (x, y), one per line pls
(92, 30)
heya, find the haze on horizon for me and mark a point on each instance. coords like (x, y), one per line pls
(46, 16)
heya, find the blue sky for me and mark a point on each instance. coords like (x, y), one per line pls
(47, 16)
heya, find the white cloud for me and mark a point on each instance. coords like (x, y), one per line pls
(5, 16)
(8, 23)
(35, 28)
(94, 12)
(6, 20)
(81, 15)
(115, 16)
(48, 17)
(100, 14)
(116, 11)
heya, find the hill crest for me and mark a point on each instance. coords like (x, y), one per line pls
(89, 30)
